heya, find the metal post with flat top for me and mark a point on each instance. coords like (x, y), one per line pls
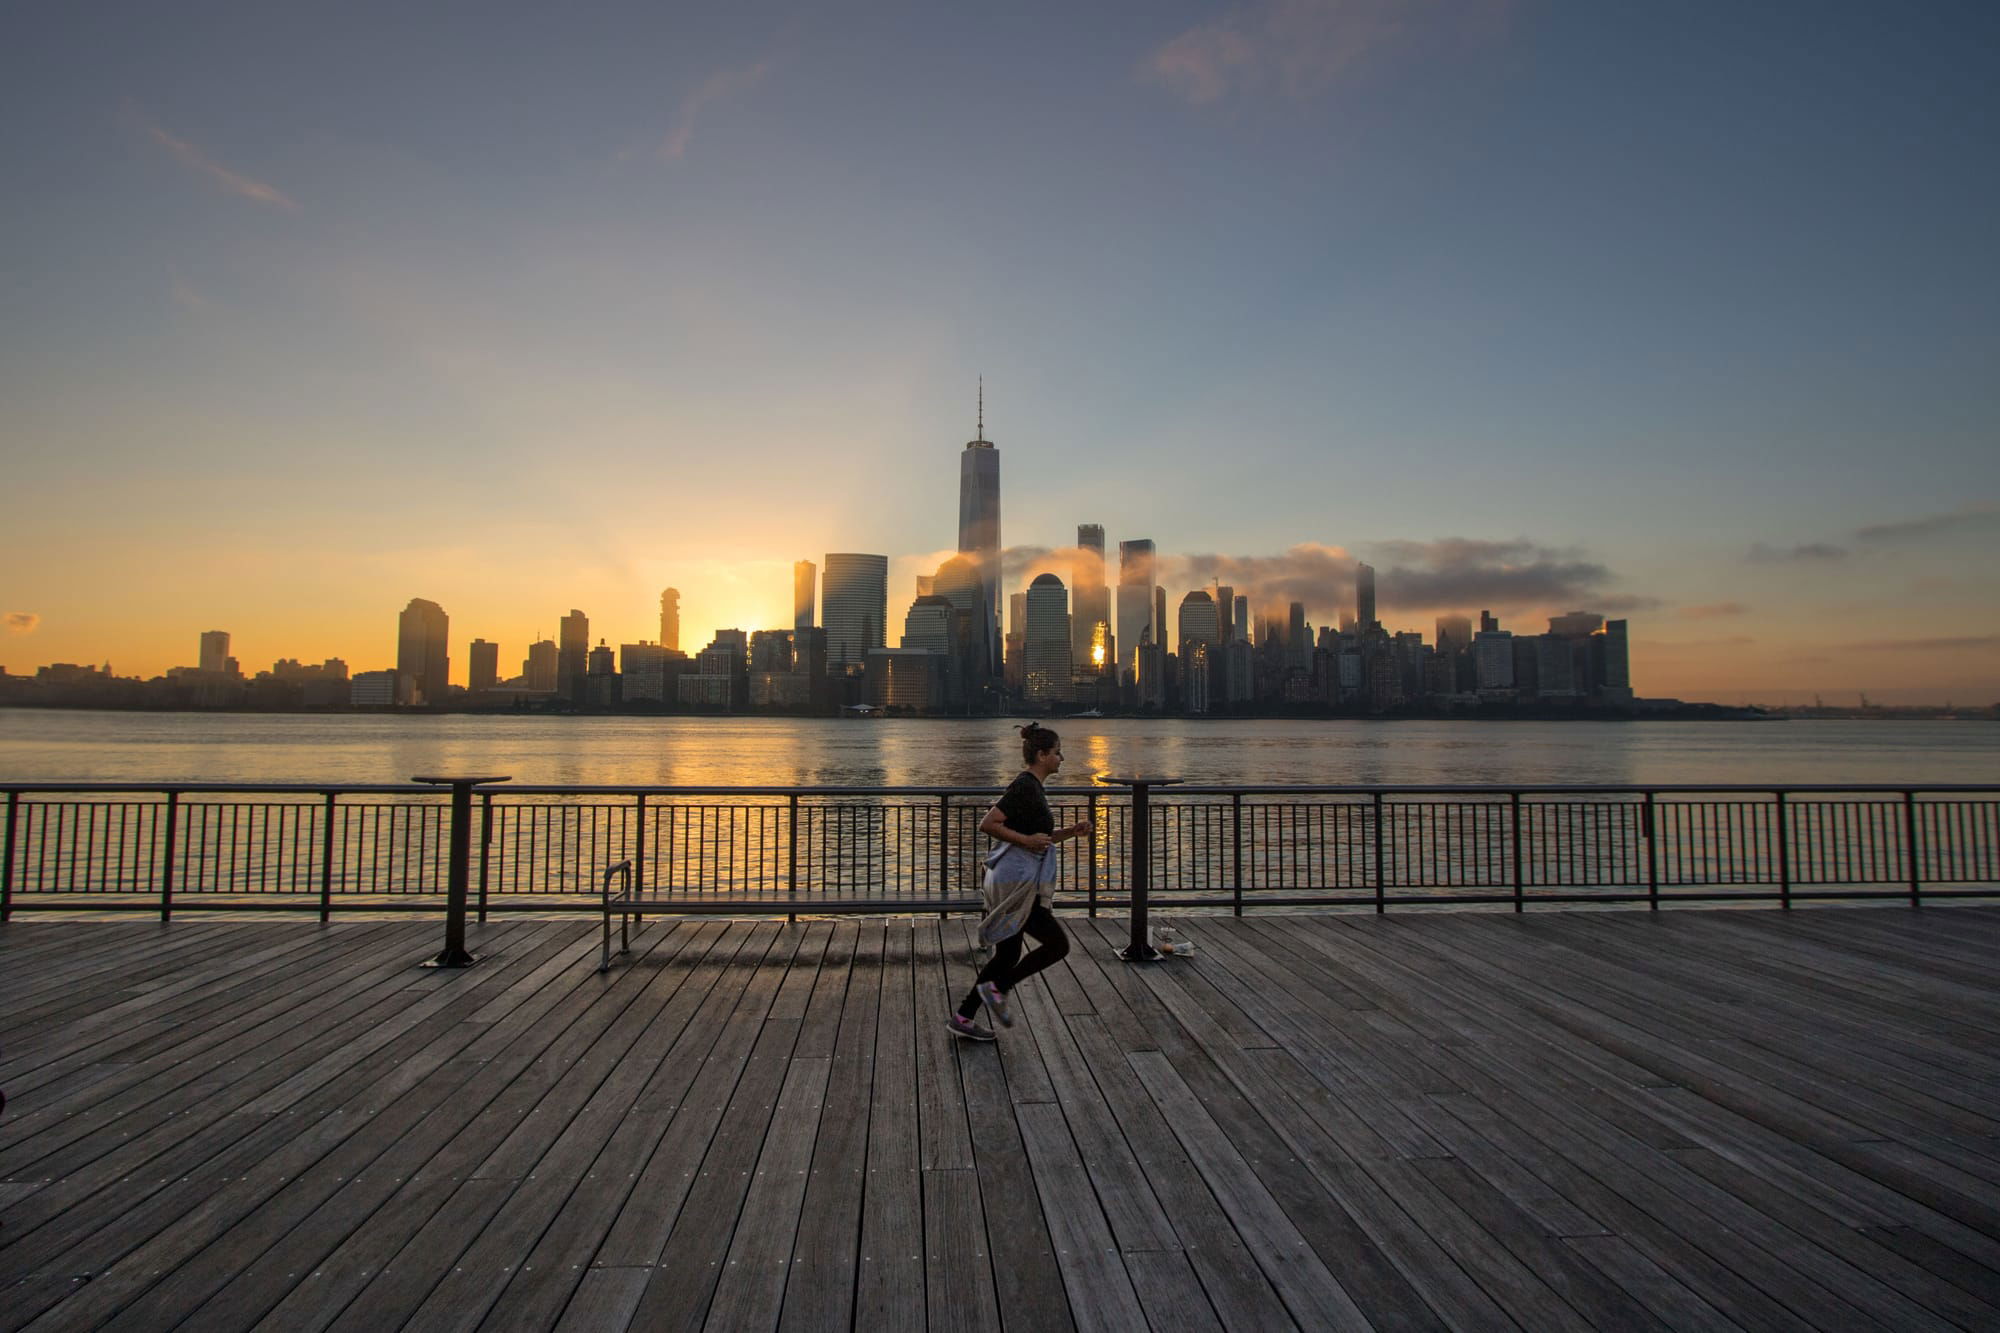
(1140, 949)
(460, 873)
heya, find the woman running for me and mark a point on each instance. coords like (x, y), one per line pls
(1020, 886)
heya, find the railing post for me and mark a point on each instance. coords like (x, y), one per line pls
(1910, 845)
(792, 850)
(1381, 838)
(486, 848)
(1236, 849)
(1139, 949)
(459, 872)
(326, 860)
(1092, 852)
(167, 864)
(7, 857)
(1646, 816)
(1784, 856)
(639, 848)
(1514, 821)
(944, 850)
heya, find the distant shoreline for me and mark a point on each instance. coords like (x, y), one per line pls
(1673, 712)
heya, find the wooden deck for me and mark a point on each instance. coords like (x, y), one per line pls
(1562, 1120)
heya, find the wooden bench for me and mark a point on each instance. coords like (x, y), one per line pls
(632, 900)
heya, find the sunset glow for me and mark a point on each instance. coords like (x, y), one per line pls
(560, 314)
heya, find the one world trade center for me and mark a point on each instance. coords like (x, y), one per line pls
(979, 531)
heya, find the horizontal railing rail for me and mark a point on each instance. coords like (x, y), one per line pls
(385, 846)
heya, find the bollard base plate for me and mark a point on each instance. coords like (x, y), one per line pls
(451, 958)
(1143, 954)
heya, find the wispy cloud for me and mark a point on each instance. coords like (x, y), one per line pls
(1980, 642)
(1968, 518)
(22, 622)
(1713, 611)
(722, 84)
(1761, 554)
(195, 159)
(185, 293)
(1299, 48)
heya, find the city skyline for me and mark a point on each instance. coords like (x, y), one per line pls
(1493, 297)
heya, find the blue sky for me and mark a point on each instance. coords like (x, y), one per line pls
(518, 308)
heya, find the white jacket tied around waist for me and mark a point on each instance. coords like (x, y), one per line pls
(1016, 880)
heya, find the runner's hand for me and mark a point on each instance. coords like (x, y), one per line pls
(1083, 828)
(1039, 842)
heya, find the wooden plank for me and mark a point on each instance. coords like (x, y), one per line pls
(958, 1275)
(889, 1288)
(1310, 1291)
(690, 1266)
(943, 1142)
(1404, 1277)
(1086, 1253)
(1136, 1218)
(606, 1299)
(261, 1163)
(750, 1293)
(1172, 1293)
(826, 1250)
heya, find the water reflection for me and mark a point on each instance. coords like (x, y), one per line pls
(80, 746)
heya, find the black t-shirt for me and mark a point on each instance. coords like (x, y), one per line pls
(1024, 808)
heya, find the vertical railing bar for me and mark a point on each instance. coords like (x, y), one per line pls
(485, 850)
(1514, 822)
(167, 870)
(7, 856)
(1910, 848)
(1381, 889)
(1784, 855)
(1236, 849)
(326, 859)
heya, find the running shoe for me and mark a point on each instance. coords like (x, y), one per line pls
(996, 1003)
(961, 1026)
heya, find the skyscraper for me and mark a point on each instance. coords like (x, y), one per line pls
(1200, 634)
(215, 650)
(854, 602)
(979, 528)
(1046, 652)
(541, 667)
(1135, 602)
(670, 620)
(804, 585)
(573, 656)
(484, 665)
(1364, 597)
(422, 643)
(1091, 600)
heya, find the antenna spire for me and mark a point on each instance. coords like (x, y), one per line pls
(982, 407)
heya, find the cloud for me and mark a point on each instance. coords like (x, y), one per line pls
(192, 157)
(1761, 554)
(1300, 48)
(186, 294)
(1320, 576)
(22, 622)
(723, 83)
(1969, 518)
(1455, 573)
(1981, 642)
(1713, 611)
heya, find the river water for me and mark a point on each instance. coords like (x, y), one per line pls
(67, 746)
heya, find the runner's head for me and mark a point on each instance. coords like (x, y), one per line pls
(1038, 741)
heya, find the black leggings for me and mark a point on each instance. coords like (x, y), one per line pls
(1006, 968)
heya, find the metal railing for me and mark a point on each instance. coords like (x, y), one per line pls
(181, 847)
